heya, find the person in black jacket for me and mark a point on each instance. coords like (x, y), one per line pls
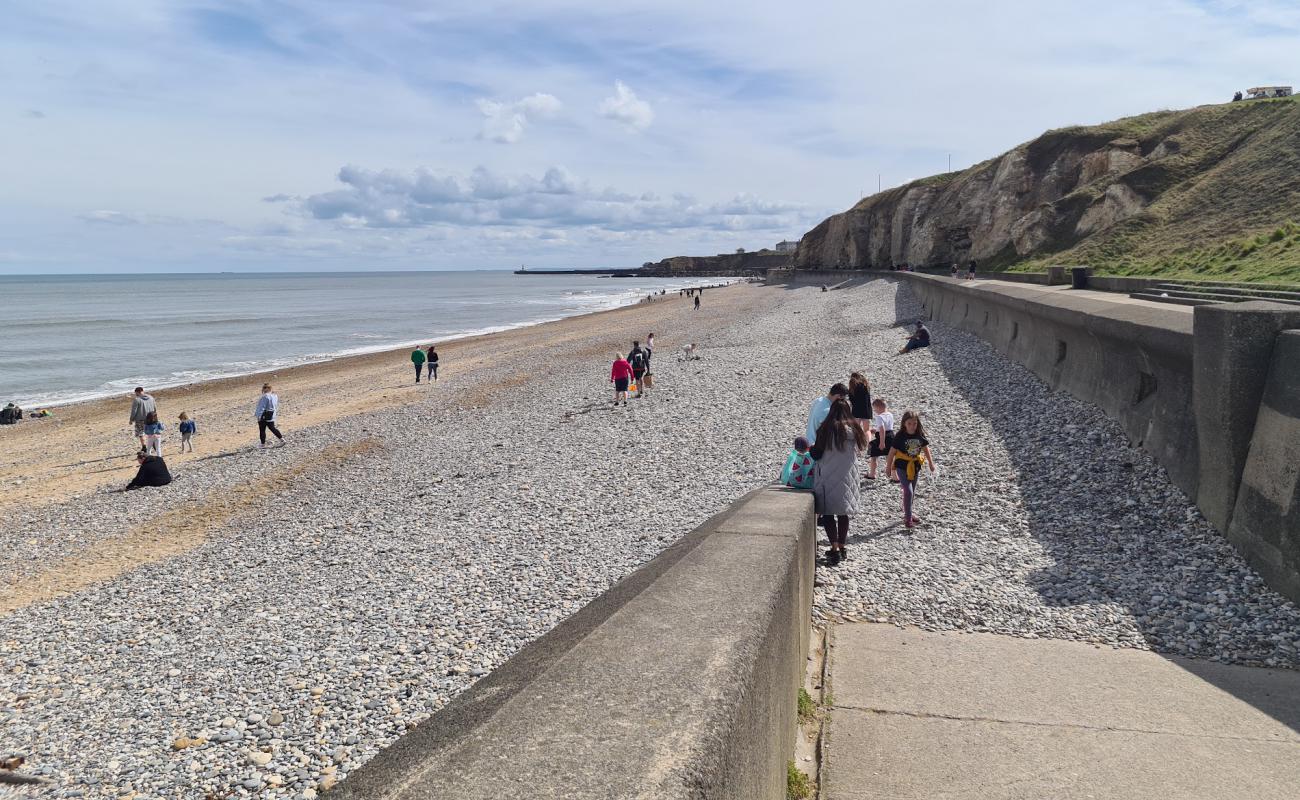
(153, 472)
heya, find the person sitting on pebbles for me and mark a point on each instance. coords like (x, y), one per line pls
(152, 472)
(917, 340)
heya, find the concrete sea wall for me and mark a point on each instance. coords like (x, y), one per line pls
(1213, 394)
(680, 681)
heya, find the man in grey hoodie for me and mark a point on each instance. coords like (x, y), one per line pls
(142, 405)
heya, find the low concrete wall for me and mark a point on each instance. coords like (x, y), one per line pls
(1266, 516)
(1134, 361)
(1208, 393)
(681, 681)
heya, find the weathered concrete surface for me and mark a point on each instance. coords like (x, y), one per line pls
(1233, 351)
(679, 682)
(1266, 517)
(925, 715)
(1131, 358)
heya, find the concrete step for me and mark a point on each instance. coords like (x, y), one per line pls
(1237, 290)
(1157, 297)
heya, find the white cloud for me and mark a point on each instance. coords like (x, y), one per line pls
(555, 201)
(505, 122)
(107, 217)
(625, 107)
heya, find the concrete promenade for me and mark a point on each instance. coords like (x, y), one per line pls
(929, 715)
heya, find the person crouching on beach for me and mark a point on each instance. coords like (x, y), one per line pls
(882, 423)
(187, 429)
(268, 407)
(910, 450)
(917, 340)
(620, 374)
(417, 358)
(152, 472)
(153, 434)
(836, 492)
(433, 363)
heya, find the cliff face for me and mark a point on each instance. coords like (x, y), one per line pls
(726, 264)
(1134, 192)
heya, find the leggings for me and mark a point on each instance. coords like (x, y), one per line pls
(837, 528)
(267, 425)
(433, 370)
(908, 487)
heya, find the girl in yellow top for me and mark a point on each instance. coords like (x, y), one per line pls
(909, 451)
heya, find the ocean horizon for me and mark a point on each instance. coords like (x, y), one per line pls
(71, 338)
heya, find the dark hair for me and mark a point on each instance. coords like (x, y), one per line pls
(636, 342)
(910, 414)
(839, 427)
(858, 379)
(139, 388)
(151, 418)
(839, 389)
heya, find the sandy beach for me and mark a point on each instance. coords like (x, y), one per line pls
(273, 618)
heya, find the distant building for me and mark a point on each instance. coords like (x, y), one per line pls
(786, 247)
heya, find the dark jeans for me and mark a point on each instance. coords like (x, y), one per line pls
(267, 425)
(837, 528)
(915, 344)
(419, 370)
(433, 370)
(908, 487)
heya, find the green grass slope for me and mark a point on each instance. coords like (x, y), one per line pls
(1223, 198)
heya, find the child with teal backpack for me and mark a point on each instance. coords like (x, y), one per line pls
(798, 470)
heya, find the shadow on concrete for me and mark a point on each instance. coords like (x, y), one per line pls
(1103, 557)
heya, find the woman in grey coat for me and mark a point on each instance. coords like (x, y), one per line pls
(836, 482)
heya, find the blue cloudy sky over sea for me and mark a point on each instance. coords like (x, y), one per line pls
(390, 134)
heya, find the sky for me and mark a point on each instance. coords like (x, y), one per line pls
(144, 136)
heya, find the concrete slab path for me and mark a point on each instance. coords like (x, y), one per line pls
(933, 715)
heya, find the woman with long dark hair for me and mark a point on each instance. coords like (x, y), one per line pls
(860, 401)
(836, 481)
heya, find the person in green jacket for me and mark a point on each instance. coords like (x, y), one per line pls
(417, 358)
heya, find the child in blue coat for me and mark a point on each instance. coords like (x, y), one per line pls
(798, 470)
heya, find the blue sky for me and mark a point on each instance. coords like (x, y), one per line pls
(174, 136)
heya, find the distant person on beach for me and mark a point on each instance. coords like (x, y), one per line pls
(697, 302)
(882, 422)
(10, 414)
(187, 429)
(917, 340)
(970, 270)
(821, 407)
(417, 358)
(954, 270)
(910, 450)
(268, 408)
(152, 472)
(640, 364)
(620, 374)
(836, 491)
(153, 434)
(433, 363)
(860, 401)
(798, 470)
(142, 405)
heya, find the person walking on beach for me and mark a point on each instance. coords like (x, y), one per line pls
(187, 429)
(142, 405)
(433, 363)
(268, 407)
(417, 358)
(697, 302)
(153, 433)
(860, 401)
(152, 472)
(883, 424)
(820, 408)
(640, 365)
(910, 450)
(970, 270)
(620, 374)
(836, 493)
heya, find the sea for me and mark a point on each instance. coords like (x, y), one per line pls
(69, 338)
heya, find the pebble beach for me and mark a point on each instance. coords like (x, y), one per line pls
(273, 618)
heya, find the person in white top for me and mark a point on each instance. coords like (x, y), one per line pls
(268, 406)
(882, 422)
